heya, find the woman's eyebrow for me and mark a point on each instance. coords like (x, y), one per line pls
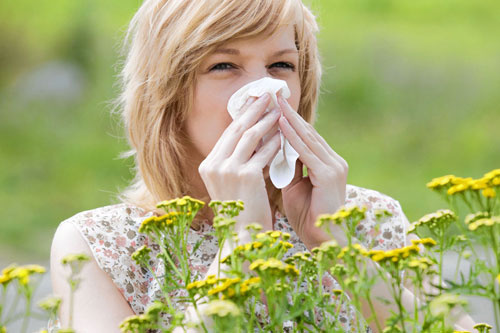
(237, 52)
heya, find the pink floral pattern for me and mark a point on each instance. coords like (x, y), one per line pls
(112, 234)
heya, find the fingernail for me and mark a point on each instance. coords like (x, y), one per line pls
(265, 97)
(275, 112)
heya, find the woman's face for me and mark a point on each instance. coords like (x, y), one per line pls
(232, 66)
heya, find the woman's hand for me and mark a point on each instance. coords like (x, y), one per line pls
(232, 171)
(323, 190)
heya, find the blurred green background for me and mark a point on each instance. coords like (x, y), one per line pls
(411, 91)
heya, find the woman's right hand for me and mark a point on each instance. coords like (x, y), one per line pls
(232, 171)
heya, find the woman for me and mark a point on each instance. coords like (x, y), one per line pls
(186, 58)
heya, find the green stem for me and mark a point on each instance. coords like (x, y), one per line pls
(457, 269)
(2, 302)
(415, 305)
(199, 316)
(496, 307)
(13, 307)
(27, 315)
(72, 285)
(163, 287)
(374, 314)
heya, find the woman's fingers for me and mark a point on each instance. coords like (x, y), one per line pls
(306, 132)
(252, 137)
(305, 153)
(253, 110)
(264, 155)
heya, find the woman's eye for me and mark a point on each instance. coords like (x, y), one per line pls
(222, 67)
(284, 65)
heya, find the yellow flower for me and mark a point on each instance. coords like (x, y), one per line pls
(440, 181)
(394, 255)
(326, 246)
(186, 200)
(377, 255)
(479, 184)
(439, 218)
(459, 188)
(141, 255)
(50, 304)
(222, 308)
(249, 284)
(274, 266)
(424, 241)
(476, 216)
(3, 329)
(498, 278)
(211, 279)
(133, 323)
(484, 222)
(147, 224)
(492, 174)
(286, 245)
(257, 245)
(228, 282)
(421, 263)
(254, 226)
(337, 292)
(489, 192)
(341, 215)
(6, 277)
(482, 327)
(223, 222)
(274, 234)
(23, 273)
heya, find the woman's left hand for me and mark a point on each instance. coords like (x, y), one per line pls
(323, 190)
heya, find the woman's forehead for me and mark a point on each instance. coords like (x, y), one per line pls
(282, 38)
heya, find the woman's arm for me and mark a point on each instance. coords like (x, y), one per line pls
(98, 305)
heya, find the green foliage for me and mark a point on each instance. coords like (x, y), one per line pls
(410, 91)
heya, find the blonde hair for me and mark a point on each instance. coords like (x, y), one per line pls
(166, 42)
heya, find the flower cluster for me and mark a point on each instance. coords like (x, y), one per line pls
(453, 185)
(484, 222)
(439, 219)
(274, 266)
(229, 208)
(185, 205)
(395, 255)
(222, 308)
(20, 273)
(342, 215)
(158, 223)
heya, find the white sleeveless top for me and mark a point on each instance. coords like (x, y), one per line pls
(112, 234)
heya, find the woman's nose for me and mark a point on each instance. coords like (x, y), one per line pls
(252, 78)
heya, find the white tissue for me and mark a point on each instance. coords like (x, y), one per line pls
(282, 167)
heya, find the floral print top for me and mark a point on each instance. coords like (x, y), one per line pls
(112, 235)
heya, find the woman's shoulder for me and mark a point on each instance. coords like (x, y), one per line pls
(385, 224)
(110, 235)
(111, 232)
(117, 215)
(371, 199)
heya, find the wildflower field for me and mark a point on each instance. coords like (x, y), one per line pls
(278, 293)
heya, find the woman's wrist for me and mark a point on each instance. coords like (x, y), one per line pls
(315, 236)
